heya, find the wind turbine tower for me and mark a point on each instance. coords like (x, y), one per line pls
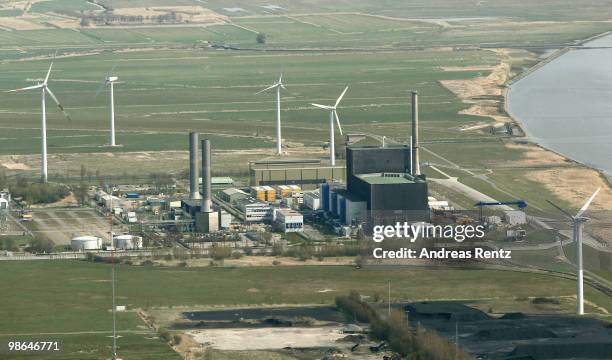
(333, 114)
(578, 224)
(44, 88)
(278, 85)
(110, 81)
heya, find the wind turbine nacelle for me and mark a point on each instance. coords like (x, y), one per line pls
(111, 79)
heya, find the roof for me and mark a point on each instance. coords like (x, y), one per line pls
(387, 178)
(221, 180)
(232, 191)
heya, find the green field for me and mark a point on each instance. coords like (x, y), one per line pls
(70, 299)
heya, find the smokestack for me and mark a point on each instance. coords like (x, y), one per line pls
(194, 192)
(206, 186)
(415, 133)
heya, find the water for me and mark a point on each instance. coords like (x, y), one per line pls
(566, 105)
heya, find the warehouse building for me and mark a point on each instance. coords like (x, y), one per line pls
(254, 210)
(308, 174)
(232, 195)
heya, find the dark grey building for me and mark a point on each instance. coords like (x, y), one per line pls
(381, 177)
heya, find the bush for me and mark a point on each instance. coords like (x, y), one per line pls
(176, 339)
(237, 255)
(147, 263)
(35, 193)
(41, 245)
(276, 262)
(261, 38)
(220, 252)
(182, 264)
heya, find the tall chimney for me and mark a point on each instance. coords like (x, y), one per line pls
(194, 171)
(415, 133)
(206, 186)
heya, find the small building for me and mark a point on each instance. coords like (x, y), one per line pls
(254, 210)
(515, 217)
(289, 220)
(232, 195)
(225, 219)
(312, 200)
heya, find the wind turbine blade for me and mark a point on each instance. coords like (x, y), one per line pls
(280, 78)
(341, 96)
(266, 89)
(58, 104)
(26, 88)
(100, 89)
(323, 106)
(586, 204)
(563, 211)
(338, 121)
(48, 73)
(283, 87)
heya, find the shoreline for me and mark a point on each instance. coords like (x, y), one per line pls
(507, 87)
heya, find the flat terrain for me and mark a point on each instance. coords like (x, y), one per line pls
(70, 299)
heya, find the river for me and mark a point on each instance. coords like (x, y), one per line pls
(566, 105)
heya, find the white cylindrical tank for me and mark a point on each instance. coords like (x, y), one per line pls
(83, 243)
(129, 242)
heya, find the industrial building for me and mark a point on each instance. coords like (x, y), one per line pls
(232, 195)
(308, 174)
(384, 184)
(254, 210)
(264, 193)
(312, 199)
(287, 220)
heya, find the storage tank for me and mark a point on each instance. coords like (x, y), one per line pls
(84, 243)
(128, 242)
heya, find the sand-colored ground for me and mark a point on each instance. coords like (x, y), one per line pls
(484, 94)
(268, 338)
(193, 14)
(534, 155)
(575, 185)
(19, 23)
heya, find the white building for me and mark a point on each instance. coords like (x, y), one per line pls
(254, 210)
(312, 199)
(225, 219)
(515, 217)
(289, 220)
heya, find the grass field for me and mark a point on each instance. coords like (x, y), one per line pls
(70, 299)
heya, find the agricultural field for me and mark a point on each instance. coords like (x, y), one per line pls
(81, 290)
(182, 77)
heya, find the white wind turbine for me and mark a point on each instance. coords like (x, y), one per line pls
(333, 113)
(278, 85)
(43, 117)
(110, 80)
(578, 223)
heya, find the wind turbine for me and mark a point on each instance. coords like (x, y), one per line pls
(277, 85)
(578, 223)
(43, 117)
(110, 80)
(333, 113)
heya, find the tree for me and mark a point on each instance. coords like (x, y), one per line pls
(85, 22)
(83, 172)
(80, 192)
(3, 179)
(261, 38)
